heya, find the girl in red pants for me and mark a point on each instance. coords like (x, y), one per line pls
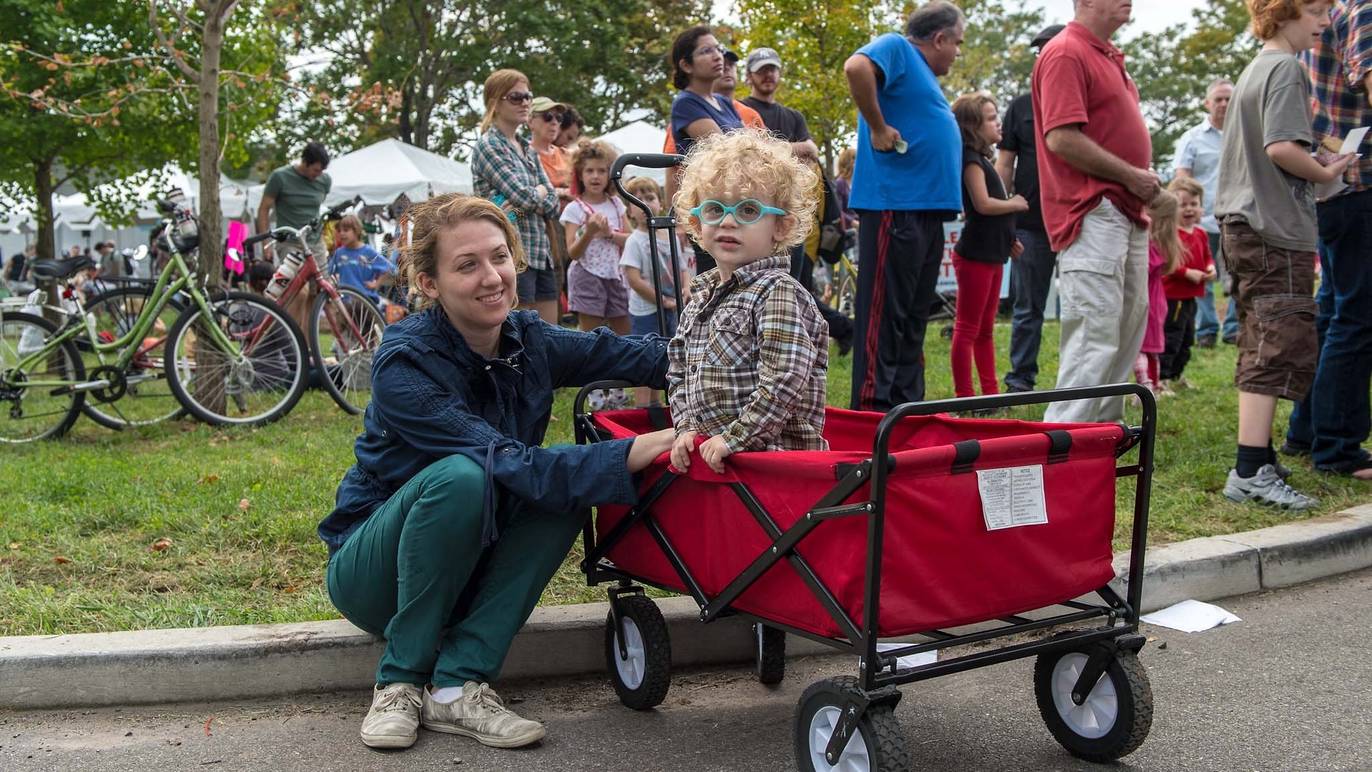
(986, 242)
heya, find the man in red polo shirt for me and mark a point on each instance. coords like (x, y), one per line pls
(1094, 156)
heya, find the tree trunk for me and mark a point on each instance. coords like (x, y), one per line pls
(42, 189)
(209, 385)
(406, 107)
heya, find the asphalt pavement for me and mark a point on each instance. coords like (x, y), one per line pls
(1288, 688)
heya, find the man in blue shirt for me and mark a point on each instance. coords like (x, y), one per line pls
(1198, 156)
(906, 183)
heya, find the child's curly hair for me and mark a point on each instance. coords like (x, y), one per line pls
(749, 163)
(1269, 15)
(590, 150)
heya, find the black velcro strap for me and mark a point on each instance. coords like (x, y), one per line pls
(965, 455)
(1059, 445)
(657, 416)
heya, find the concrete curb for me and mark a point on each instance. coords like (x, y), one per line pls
(201, 664)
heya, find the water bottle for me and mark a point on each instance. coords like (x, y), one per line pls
(290, 265)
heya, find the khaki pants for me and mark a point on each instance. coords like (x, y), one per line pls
(1103, 288)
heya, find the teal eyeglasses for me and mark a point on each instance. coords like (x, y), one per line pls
(745, 212)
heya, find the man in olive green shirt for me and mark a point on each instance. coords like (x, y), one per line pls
(295, 193)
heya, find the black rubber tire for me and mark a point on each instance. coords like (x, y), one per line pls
(78, 373)
(1133, 696)
(771, 654)
(657, 653)
(117, 299)
(878, 728)
(845, 292)
(286, 340)
(375, 323)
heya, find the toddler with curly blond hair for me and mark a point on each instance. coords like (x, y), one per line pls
(747, 366)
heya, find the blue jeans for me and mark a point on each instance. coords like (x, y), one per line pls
(1031, 276)
(1207, 320)
(1334, 418)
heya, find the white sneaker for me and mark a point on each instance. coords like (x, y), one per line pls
(480, 715)
(393, 721)
(1266, 487)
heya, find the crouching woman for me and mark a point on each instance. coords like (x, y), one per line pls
(453, 519)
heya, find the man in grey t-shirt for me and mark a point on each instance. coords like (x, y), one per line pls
(295, 193)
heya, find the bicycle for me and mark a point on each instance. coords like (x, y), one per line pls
(228, 358)
(344, 326)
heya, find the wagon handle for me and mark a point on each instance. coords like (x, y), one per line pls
(655, 222)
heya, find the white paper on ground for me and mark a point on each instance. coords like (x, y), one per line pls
(1012, 496)
(1190, 616)
(910, 660)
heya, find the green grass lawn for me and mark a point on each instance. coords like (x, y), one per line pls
(80, 529)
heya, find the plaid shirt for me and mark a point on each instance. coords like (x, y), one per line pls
(1337, 66)
(513, 170)
(749, 360)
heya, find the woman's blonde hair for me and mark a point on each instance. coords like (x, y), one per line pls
(429, 219)
(498, 84)
(970, 112)
(746, 163)
(590, 150)
(1165, 213)
(846, 158)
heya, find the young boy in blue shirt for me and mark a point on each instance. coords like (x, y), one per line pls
(356, 264)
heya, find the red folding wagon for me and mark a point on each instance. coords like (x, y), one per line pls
(970, 531)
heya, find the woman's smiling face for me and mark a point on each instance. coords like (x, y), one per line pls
(475, 277)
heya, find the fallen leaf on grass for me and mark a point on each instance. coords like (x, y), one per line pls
(209, 478)
(207, 725)
(161, 544)
(59, 559)
(14, 545)
(244, 504)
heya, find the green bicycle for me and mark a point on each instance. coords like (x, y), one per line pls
(229, 358)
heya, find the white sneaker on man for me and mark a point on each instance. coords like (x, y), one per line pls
(480, 715)
(1266, 487)
(393, 721)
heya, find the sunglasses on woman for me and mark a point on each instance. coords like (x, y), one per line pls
(519, 97)
(551, 117)
(745, 212)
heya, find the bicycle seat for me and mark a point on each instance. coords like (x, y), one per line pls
(63, 268)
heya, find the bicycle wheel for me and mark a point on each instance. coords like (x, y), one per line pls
(144, 397)
(845, 292)
(344, 334)
(257, 379)
(29, 413)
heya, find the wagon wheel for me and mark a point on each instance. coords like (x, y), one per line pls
(640, 677)
(1115, 716)
(877, 746)
(771, 654)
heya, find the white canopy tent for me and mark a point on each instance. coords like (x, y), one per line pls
(639, 137)
(383, 172)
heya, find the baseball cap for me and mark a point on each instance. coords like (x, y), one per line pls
(543, 104)
(761, 57)
(1048, 33)
(730, 56)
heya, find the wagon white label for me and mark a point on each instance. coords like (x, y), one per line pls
(1012, 497)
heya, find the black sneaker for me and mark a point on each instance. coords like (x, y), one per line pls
(1205, 341)
(845, 345)
(1290, 448)
(1232, 340)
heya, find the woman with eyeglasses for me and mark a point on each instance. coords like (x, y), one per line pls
(544, 126)
(697, 112)
(507, 170)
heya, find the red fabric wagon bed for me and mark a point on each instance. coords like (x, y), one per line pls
(959, 547)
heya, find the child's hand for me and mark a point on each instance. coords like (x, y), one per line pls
(1195, 276)
(1210, 273)
(597, 225)
(681, 450)
(1017, 248)
(669, 304)
(714, 451)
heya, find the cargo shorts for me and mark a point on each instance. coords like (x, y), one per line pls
(1274, 289)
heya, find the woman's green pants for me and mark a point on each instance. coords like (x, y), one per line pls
(415, 573)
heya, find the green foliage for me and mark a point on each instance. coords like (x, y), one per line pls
(1173, 68)
(413, 69)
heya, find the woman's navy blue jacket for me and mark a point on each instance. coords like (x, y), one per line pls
(432, 396)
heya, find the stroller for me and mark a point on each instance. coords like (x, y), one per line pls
(939, 531)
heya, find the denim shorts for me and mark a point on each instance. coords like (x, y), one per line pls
(536, 284)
